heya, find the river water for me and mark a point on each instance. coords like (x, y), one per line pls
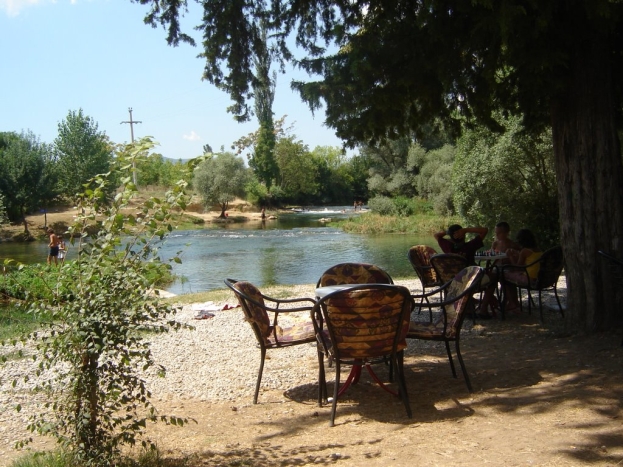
(294, 249)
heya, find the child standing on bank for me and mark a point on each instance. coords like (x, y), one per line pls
(62, 249)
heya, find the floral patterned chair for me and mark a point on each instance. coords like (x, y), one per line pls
(447, 265)
(354, 273)
(267, 331)
(447, 327)
(362, 325)
(419, 257)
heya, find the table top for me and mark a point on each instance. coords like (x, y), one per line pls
(489, 256)
(322, 292)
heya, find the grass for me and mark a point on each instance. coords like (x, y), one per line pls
(59, 458)
(372, 223)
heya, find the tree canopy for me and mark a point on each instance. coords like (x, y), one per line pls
(82, 151)
(388, 68)
(219, 179)
(27, 177)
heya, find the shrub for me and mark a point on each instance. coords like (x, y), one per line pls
(99, 309)
(382, 205)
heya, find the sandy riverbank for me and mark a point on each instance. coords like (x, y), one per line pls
(61, 217)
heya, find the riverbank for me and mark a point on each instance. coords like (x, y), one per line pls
(61, 217)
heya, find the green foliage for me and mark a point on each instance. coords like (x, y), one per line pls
(434, 178)
(388, 168)
(400, 206)
(298, 177)
(27, 174)
(3, 215)
(82, 152)
(373, 223)
(263, 161)
(27, 281)
(220, 179)
(382, 205)
(156, 170)
(507, 177)
(98, 312)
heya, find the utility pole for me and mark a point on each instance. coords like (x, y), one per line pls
(132, 122)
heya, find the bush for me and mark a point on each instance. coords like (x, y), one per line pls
(98, 309)
(382, 205)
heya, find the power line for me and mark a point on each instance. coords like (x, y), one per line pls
(132, 122)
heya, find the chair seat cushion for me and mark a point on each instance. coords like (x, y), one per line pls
(288, 335)
(420, 330)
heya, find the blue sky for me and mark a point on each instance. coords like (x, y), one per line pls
(98, 55)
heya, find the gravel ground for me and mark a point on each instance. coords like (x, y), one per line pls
(216, 360)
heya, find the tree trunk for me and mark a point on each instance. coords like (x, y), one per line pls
(589, 172)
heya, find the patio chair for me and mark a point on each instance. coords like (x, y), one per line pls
(447, 266)
(616, 268)
(257, 306)
(447, 327)
(550, 264)
(362, 325)
(354, 273)
(419, 257)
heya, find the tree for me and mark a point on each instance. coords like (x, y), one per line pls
(297, 180)
(82, 151)
(263, 161)
(388, 167)
(401, 64)
(27, 174)
(220, 179)
(434, 178)
(508, 177)
(333, 175)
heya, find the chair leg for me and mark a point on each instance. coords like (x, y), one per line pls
(259, 376)
(541, 306)
(322, 380)
(465, 375)
(336, 390)
(402, 383)
(450, 358)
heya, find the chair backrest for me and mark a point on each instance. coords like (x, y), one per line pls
(419, 257)
(367, 321)
(552, 263)
(447, 265)
(253, 306)
(459, 292)
(354, 273)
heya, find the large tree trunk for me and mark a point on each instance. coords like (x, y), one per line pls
(589, 172)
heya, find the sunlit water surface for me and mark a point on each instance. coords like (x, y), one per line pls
(294, 249)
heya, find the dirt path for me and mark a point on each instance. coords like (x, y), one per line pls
(538, 400)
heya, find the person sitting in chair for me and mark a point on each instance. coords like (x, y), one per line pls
(457, 244)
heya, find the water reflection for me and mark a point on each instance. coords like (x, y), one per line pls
(278, 256)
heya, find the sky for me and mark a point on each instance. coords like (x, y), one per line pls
(58, 56)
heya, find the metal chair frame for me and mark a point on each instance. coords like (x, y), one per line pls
(264, 345)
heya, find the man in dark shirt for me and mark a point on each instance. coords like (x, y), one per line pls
(457, 244)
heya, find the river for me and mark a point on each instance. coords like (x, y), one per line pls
(294, 249)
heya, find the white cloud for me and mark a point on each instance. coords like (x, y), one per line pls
(192, 136)
(13, 7)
